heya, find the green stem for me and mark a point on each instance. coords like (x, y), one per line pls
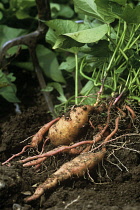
(118, 31)
(116, 49)
(121, 42)
(135, 79)
(115, 81)
(128, 46)
(93, 75)
(122, 52)
(134, 41)
(127, 81)
(76, 78)
(82, 73)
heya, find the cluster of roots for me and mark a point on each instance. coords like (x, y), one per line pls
(109, 123)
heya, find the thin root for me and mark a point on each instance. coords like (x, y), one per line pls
(131, 111)
(37, 138)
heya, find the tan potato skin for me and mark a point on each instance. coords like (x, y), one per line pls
(67, 128)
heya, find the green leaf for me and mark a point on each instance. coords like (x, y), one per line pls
(49, 64)
(58, 87)
(9, 93)
(7, 88)
(10, 77)
(54, 6)
(26, 3)
(98, 9)
(89, 35)
(21, 8)
(48, 88)
(105, 8)
(68, 65)
(51, 36)
(1, 15)
(60, 27)
(90, 92)
(65, 11)
(24, 65)
(125, 12)
(109, 83)
(1, 6)
(95, 61)
(67, 44)
(7, 34)
(87, 7)
(21, 14)
(131, 15)
(86, 88)
(65, 26)
(101, 49)
(121, 2)
(6, 79)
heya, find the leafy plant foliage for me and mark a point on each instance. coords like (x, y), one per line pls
(96, 44)
(107, 44)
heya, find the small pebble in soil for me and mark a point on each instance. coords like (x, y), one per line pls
(17, 206)
(27, 193)
(2, 185)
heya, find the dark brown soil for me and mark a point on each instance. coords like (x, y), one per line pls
(114, 184)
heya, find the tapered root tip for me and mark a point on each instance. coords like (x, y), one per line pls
(35, 196)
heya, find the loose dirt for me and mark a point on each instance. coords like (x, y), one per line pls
(114, 184)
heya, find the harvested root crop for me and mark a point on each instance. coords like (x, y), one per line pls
(76, 167)
(68, 127)
(64, 131)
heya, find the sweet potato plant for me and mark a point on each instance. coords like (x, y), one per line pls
(100, 54)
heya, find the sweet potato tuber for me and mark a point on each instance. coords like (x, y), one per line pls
(78, 167)
(68, 127)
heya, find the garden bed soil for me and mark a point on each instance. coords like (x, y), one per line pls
(111, 185)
